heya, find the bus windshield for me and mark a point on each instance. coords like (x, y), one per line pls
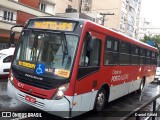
(52, 51)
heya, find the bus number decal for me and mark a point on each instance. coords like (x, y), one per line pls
(21, 85)
(62, 73)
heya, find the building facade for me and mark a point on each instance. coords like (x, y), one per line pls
(120, 15)
(14, 12)
(146, 28)
(67, 6)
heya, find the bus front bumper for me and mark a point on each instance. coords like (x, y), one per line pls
(55, 107)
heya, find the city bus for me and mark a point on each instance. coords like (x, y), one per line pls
(67, 66)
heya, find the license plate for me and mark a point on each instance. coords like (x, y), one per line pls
(30, 99)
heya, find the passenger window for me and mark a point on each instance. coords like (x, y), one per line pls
(148, 54)
(124, 53)
(111, 54)
(148, 59)
(90, 56)
(153, 59)
(125, 47)
(142, 56)
(153, 55)
(135, 55)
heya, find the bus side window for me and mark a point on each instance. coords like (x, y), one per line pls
(124, 57)
(135, 53)
(83, 55)
(94, 55)
(142, 56)
(111, 53)
(90, 57)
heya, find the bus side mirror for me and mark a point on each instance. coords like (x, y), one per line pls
(12, 39)
(12, 35)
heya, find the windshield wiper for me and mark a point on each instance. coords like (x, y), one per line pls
(64, 46)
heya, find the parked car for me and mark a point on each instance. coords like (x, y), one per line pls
(5, 60)
(157, 76)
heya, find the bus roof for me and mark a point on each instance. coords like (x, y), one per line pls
(59, 18)
(120, 36)
(103, 30)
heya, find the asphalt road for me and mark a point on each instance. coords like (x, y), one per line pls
(113, 111)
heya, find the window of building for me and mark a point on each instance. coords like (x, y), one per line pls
(69, 6)
(130, 28)
(126, 6)
(111, 53)
(123, 5)
(121, 25)
(122, 15)
(42, 7)
(7, 15)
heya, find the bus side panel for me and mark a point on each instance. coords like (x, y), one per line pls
(87, 87)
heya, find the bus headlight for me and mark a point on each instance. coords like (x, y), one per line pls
(60, 92)
(10, 78)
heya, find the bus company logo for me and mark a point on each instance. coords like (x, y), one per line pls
(117, 75)
(34, 77)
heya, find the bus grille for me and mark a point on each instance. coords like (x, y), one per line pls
(37, 104)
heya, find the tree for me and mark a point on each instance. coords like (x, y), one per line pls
(155, 39)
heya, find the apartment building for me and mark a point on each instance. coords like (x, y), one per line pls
(86, 6)
(125, 18)
(120, 15)
(14, 12)
(146, 28)
(67, 6)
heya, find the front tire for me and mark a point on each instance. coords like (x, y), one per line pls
(100, 100)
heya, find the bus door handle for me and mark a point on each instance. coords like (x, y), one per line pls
(94, 84)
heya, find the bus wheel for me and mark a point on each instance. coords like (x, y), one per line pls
(100, 100)
(141, 87)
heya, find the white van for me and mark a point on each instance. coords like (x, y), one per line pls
(5, 60)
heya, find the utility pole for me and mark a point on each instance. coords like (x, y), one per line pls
(104, 15)
(80, 6)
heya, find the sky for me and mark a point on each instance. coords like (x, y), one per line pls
(150, 9)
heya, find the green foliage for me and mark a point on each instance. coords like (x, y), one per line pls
(155, 39)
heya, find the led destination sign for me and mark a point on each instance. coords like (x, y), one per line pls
(52, 25)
